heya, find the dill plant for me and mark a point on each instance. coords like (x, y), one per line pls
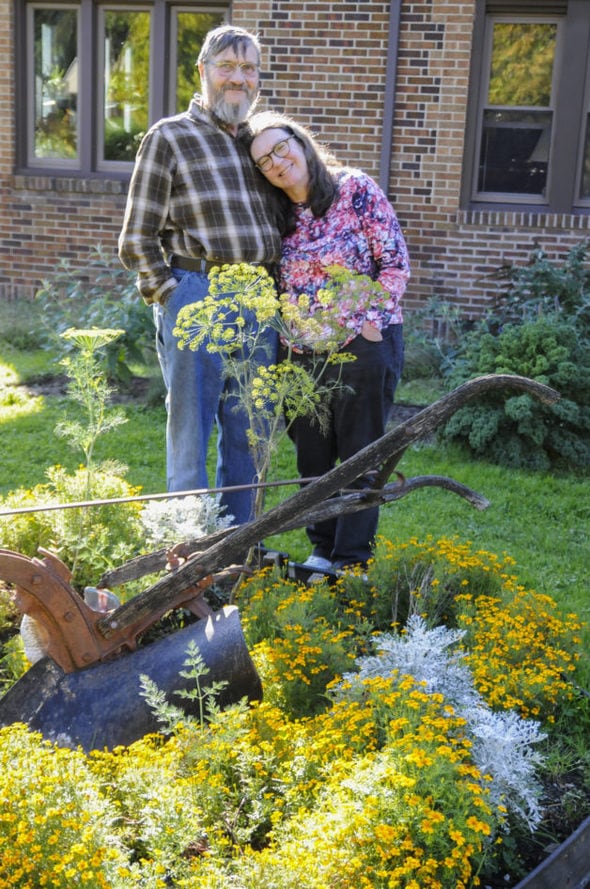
(89, 388)
(88, 541)
(276, 394)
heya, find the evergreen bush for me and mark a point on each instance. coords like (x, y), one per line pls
(540, 329)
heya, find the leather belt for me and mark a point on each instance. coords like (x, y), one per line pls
(204, 266)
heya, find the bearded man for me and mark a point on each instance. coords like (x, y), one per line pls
(196, 201)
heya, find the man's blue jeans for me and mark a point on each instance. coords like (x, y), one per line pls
(199, 395)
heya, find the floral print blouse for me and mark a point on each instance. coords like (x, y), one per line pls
(359, 232)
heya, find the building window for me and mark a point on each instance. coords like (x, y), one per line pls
(55, 83)
(517, 111)
(528, 136)
(93, 77)
(125, 40)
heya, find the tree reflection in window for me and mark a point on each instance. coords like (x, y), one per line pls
(55, 48)
(517, 116)
(191, 29)
(126, 82)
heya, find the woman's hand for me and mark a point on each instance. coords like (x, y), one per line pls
(370, 332)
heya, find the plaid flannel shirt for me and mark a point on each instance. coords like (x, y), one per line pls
(194, 192)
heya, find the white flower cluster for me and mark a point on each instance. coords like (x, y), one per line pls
(169, 521)
(502, 741)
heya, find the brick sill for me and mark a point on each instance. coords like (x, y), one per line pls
(519, 219)
(68, 184)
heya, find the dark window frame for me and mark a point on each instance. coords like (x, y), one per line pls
(89, 165)
(570, 114)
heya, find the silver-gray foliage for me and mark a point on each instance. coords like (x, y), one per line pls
(503, 742)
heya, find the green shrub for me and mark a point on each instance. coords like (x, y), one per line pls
(542, 286)
(430, 335)
(541, 331)
(87, 540)
(120, 144)
(105, 296)
(20, 326)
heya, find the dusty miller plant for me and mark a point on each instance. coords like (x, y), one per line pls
(170, 520)
(503, 743)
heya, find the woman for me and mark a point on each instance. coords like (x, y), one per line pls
(333, 215)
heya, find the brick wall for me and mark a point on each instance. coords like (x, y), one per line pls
(326, 64)
(46, 220)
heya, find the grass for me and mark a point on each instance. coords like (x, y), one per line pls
(420, 391)
(540, 519)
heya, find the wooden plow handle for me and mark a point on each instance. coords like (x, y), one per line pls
(380, 458)
(78, 636)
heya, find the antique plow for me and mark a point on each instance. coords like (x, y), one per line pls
(86, 691)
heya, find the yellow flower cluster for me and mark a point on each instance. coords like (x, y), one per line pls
(92, 339)
(377, 789)
(299, 642)
(319, 330)
(408, 811)
(286, 385)
(520, 651)
(56, 827)
(238, 295)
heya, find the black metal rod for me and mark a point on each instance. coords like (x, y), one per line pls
(142, 497)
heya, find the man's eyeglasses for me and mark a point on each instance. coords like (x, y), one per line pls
(248, 69)
(281, 149)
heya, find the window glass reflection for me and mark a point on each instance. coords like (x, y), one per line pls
(55, 47)
(191, 30)
(517, 119)
(522, 63)
(126, 82)
(514, 152)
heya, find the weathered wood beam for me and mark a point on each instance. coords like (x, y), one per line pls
(386, 451)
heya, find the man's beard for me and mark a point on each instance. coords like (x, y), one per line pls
(231, 112)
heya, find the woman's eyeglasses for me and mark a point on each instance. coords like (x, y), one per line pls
(281, 149)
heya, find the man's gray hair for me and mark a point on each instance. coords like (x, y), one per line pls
(226, 36)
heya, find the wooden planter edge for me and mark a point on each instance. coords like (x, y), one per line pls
(568, 866)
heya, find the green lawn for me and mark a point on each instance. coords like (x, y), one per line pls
(540, 519)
